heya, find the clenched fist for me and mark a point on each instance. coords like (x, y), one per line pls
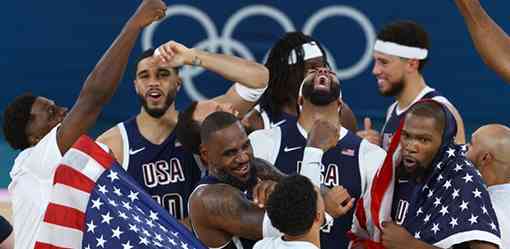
(148, 12)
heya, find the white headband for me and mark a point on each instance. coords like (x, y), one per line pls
(311, 50)
(403, 51)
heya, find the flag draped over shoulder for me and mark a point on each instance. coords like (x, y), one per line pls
(450, 207)
(96, 204)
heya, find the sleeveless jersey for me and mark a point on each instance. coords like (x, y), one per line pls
(166, 171)
(340, 166)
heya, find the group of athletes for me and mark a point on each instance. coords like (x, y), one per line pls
(277, 161)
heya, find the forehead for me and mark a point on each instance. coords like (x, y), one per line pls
(384, 56)
(151, 63)
(229, 137)
(41, 103)
(421, 125)
(314, 62)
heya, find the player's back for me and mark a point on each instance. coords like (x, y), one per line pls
(166, 171)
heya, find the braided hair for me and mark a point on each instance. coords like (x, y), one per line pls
(285, 79)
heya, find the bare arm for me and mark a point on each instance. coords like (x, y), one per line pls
(113, 140)
(245, 72)
(8, 243)
(266, 171)
(220, 211)
(104, 79)
(491, 42)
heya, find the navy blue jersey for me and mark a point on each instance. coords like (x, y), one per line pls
(236, 242)
(404, 199)
(275, 119)
(166, 171)
(5, 229)
(393, 119)
(340, 166)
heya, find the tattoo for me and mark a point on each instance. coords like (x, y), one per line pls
(230, 211)
(224, 201)
(196, 61)
(266, 171)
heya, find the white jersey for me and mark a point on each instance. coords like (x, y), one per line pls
(500, 198)
(30, 188)
(278, 243)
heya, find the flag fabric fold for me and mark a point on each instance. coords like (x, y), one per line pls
(96, 204)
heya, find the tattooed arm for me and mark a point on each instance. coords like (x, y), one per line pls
(219, 211)
(266, 171)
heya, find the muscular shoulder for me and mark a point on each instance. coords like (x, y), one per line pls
(113, 139)
(217, 199)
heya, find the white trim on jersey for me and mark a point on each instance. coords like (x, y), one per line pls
(125, 146)
(266, 145)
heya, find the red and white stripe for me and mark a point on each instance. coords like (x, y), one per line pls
(74, 180)
(375, 205)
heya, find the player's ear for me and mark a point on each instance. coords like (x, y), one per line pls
(204, 153)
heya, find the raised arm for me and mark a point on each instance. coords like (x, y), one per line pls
(251, 78)
(220, 211)
(104, 79)
(491, 42)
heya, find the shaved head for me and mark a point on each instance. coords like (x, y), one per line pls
(490, 151)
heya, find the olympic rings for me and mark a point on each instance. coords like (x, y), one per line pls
(227, 43)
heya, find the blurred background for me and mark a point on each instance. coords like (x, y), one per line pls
(49, 48)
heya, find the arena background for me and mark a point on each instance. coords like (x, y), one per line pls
(48, 48)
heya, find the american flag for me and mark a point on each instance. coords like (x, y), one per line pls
(452, 207)
(96, 204)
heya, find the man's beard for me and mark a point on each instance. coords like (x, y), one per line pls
(157, 112)
(319, 97)
(419, 174)
(395, 89)
(229, 179)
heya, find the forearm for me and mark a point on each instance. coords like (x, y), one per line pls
(104, 79)
(490, 40)
(267, 171)
(245, 72)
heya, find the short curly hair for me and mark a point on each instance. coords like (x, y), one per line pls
(15, 121)
(292, 206)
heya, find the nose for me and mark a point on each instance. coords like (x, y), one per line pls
(411, 146)
(322, 70)
(242, 157)
(376, 69)
(153, 83)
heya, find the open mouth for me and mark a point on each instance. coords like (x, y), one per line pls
(243, 170)
(322, 83)
(154, 95)
(410, 163)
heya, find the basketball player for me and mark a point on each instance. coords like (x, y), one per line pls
(288, 62)
(351, 162)
(45, 131)
(147, 145)
(491, 41)
(221, 213)
(297, 210)
(400, 53)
